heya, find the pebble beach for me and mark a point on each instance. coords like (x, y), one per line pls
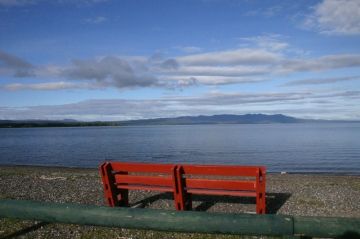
(287, 194)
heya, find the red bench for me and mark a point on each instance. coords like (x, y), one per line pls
(119, 177)
(183, 181)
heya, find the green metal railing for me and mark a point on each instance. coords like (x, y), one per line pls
(186, 221)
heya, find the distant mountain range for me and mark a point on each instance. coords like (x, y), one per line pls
(219, 119)
(184, 120)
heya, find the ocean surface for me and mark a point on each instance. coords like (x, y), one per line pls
(302, 148)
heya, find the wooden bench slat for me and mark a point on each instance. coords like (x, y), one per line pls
(144, 187)
(141, 167)
(221, 192)
(145, 180)
(218, 170)
(219, 184)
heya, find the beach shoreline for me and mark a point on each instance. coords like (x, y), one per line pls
(287, 194)
(54, 167)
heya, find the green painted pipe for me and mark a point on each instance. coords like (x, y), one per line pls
(165, 220)
(329, 227)
(187, 221)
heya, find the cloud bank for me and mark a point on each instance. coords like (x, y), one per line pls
(336, 17)
(109, 71)
(10, 64)
(236, 66)
(296, 103)
(319, 81)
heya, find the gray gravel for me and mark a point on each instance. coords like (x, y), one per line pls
(291, 194)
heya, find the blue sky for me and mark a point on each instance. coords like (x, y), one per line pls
(118, 60)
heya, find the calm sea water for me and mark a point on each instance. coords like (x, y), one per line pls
(321, 148)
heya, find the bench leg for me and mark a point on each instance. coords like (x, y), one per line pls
(110, 191)
(260, 201)
(178, 192)
(260, 193)
(263, 190)
(182, 199)
(188, 202)
(123, 196)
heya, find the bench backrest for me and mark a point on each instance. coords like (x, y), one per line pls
(119, 177)
(182, 181)
(246, 181)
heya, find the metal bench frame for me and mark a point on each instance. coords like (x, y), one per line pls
(183, 181)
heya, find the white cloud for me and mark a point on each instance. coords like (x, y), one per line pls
(231, 57)
(96, 20)
(335, 17)
(220, 70)
(273, 11)
(213, 80)
(271, 42)
(109, 71)
(318, 81)
(329, 62)
(47, 86)
(189, 49)
(264, 12)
